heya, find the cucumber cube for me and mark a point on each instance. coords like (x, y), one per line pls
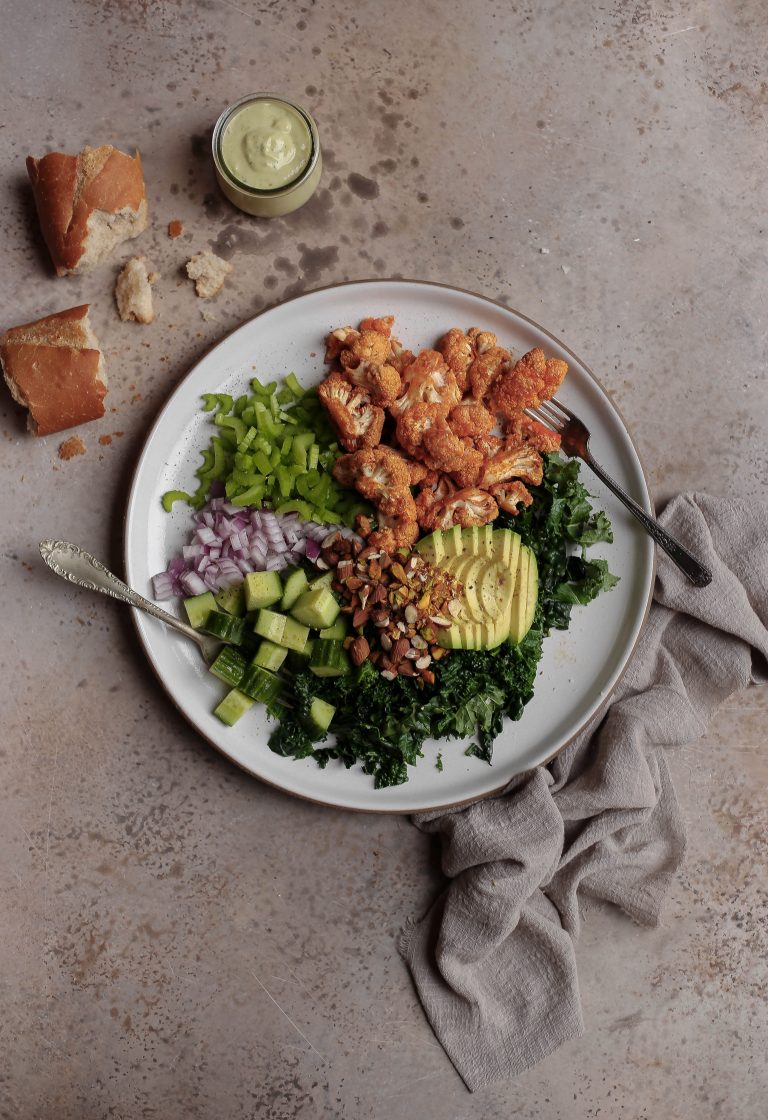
(270, 625)
(316, 607)
(270, 656)
(232, 600)
(234, 705)
(229, 666)
(294, 584)
(339, 630)
(262, 589)
(294, 635)
(198, 607)
(321, 713)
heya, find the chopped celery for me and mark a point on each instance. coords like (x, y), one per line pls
(171, 496)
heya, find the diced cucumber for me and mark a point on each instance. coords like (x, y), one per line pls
(294, 635)
(339, 629)
(198, 607)
(225, 626)
(325, 580)
(232, 600)
(270, 656)
(259, 684)
(229, 666)
(294, 584)
(298, 659)
(270, 625)
(321, 713)
(316, 607)
(329, 658)
(234, 705)
(262, 589)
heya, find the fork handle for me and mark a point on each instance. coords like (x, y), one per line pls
(697, 573)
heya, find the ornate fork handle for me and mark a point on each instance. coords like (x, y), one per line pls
(696, 572)
(79, 567)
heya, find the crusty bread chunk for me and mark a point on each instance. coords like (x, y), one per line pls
(133, 291)
(87, 204)
(209, 273)
(54, 368)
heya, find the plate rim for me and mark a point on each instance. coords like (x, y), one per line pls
(598, 712)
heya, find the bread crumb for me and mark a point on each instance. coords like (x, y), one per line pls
(208, 315)
(209, 272)
(104, 440)
(71, 447)
(175, 228)
(133, 293)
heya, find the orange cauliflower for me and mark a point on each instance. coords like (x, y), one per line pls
(469, 506)
(412, 424)
(357, 421)
(427, 380)
(470, 419)
(382, 325)
(510, 495)
(444, 451)
(338, 340)
(512, 460)
(381, 382)
(394, 532)
(381, 476)
(458, 352)
(535, 378)
(487, 368)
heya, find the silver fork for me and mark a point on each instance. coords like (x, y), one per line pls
(574, 437)
(78, 566)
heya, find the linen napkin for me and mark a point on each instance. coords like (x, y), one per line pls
(493, 960)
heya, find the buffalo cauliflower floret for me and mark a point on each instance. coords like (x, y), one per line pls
(470, 419)
(513, 460)
(510, 495)
(382, 325)
(535, 378)
(486, 369)
(398, 356)
(434, 489)
(469, 506)
(427, 380)
(458, 352)
(444, 451)
(381, 382)
(417, 472)
(367, 346)
(394, 533)
(488, 445)
(357, 421)
(381, 476)
(539, 435)
(339, 339)
(412, 424)
(480, 340)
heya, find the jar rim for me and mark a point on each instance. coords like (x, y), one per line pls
(223, 167)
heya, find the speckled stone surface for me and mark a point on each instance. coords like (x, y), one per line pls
(177, 940)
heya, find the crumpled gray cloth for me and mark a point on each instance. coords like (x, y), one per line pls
(493, 960)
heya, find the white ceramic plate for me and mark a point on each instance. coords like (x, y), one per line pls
(579, 668)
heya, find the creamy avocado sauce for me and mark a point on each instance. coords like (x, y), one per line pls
(266, 144)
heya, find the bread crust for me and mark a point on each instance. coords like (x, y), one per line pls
(70, 191)
(53, 367)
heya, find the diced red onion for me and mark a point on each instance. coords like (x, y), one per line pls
(229, 541)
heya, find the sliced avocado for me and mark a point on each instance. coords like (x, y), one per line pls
(532, 595)
(432, 548)
(471, 581)
(478, 539)
(506, 547)
(519, 609)
(452, 539)
(496, 588)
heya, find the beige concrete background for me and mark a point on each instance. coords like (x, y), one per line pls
(178, 941)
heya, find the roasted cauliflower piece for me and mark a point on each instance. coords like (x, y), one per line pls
(458, 352)
(367, 346)
(427, 380)
(469, 506)
(488, 445)
(445, 452)
(398, 356)
(434, 489)
(470, 420)
(382, 325)
(412, 424)
(338, 340)
(510, 495)
(539, 435)
(535, 378)
(357, 421)
(381, 476)
(480, 340)
(417, 472)
(512, 460)
(394, 533)
(381, 382)
(486, 368)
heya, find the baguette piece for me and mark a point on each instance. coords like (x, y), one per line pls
(133, 291)
(87, 204)
(209, 273)
(55, 369)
